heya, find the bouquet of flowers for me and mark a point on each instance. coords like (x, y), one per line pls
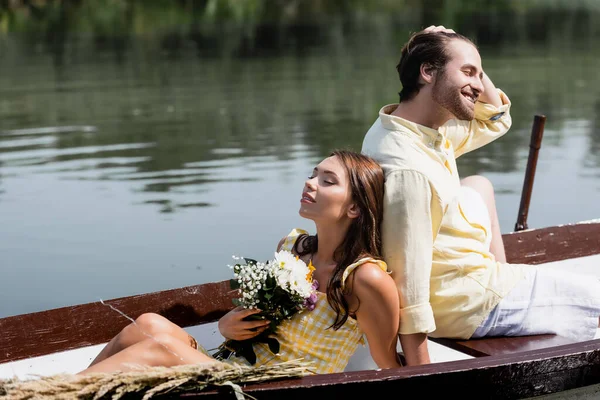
(280, 288)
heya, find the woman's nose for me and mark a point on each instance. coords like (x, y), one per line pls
(309, 183)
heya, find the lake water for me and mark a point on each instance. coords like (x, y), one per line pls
(145, 162)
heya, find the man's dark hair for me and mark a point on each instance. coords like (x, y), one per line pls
(423, 48)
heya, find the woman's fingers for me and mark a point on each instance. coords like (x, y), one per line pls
(244, 312)
(237, 328)
(249, 334)
(263, 323)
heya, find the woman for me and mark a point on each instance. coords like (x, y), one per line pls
(344, 198)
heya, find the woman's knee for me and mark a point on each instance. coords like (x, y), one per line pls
(160, 349)
(152, 324)
(163, 340)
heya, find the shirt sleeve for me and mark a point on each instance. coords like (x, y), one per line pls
(409, 225)
(489, 124)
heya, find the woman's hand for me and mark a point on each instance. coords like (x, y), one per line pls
(233, 326)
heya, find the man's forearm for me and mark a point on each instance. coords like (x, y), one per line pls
(414, 347)
(490, 94)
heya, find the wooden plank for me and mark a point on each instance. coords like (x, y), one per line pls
(503, 345)
(45, 332)
(511, 376)
(553, 243)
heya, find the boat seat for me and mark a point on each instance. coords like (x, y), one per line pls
(502, 345)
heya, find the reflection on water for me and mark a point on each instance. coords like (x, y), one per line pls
(143, 160)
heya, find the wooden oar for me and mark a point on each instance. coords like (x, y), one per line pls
(535, 143)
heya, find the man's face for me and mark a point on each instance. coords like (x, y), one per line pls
(457, 87)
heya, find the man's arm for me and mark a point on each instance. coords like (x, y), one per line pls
(416, 352)
(411, 219)
(492, 120)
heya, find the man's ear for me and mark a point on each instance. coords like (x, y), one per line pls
(427, 73)
(353, 211)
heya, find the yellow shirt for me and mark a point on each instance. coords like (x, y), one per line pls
(448, 280)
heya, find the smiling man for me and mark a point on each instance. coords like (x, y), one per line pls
(441, 237)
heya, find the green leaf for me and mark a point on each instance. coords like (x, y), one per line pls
(270, 283)
(234, 284)
(237, 348)
(273, 345)
(248, 354)
(250, 261)
(253, 317)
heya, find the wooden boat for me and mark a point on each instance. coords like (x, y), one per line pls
(66, 339)
(545, 366)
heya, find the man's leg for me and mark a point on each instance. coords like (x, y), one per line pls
(485, 188)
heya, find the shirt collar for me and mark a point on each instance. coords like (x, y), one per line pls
(394, 123)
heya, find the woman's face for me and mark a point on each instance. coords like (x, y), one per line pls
(326, 195)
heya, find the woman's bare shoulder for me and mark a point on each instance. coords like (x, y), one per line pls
(370, 276)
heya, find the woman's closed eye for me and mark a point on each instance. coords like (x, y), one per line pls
(326, 181)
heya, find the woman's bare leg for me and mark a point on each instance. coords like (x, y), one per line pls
(145, 327)
(162, 350)
(485, 188)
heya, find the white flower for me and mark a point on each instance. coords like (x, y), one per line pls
(290, 273)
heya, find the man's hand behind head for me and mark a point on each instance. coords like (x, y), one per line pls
(439, 28)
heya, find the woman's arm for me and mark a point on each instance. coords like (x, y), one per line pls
(376, 296)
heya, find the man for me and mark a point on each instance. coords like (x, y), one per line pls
(441, 236)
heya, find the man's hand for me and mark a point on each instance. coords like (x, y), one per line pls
(490, 94)
(415, 349)
(233, 326)
(439, 28)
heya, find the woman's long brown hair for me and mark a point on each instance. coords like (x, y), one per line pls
(363, 238)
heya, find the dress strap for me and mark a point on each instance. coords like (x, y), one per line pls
(360, 262)
(290, 240)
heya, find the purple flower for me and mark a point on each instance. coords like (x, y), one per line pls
(315, 284)
(311, 301)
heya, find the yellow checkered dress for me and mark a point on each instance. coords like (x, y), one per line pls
(306, 335)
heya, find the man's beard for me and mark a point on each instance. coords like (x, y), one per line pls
(451, 99)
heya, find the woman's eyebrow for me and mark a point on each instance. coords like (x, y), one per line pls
(326, 171)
